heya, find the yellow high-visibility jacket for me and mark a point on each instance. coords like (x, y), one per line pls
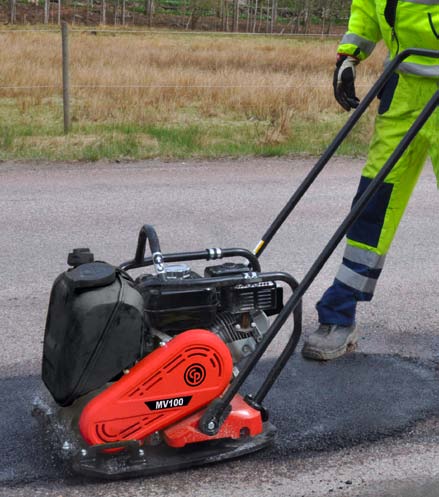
(401, 24)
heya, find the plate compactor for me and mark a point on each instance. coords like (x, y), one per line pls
(145, 374)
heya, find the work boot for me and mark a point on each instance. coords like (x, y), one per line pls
(330, 341)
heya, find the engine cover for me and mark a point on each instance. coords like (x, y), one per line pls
(169, 384)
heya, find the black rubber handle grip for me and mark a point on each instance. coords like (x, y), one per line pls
(148, 233)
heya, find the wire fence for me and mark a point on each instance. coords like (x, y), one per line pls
(129, 87)
(67, 89)
(139, 86)
(146, 32)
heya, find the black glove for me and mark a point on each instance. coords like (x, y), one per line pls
(344, 78)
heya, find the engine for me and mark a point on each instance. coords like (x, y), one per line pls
(238, 314)
(101, 322)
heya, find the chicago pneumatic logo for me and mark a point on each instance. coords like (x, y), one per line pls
(194, 375)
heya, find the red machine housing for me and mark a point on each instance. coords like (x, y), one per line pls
(243, 421)
(166, 386)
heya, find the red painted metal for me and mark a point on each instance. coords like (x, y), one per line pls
(166, 386)
(243, 420)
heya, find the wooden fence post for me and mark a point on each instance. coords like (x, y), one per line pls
(65, 76)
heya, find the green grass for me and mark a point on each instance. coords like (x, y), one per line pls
(172, 122)
(36, 132)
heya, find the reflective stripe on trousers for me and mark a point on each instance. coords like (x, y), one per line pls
(355, 281)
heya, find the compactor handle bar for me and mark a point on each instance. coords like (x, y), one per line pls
(215, 413)
(148, 233)
(338, 140)
(157, 258)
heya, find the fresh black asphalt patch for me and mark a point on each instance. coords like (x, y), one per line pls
(315, 406)
(321, 406)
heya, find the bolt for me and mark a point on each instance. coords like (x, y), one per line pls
(141, 452)
(253, 325)
(83, 452)
(66, 446)
(154, 438)
(162, 344)
(246, 349)
(211, 426)
(238, 327)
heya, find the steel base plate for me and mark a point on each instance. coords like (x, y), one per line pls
(135, 460)
(132, 459)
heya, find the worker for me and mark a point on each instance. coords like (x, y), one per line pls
(401, 24)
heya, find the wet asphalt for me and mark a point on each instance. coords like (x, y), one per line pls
(362, 425)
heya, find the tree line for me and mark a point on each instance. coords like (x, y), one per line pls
(249, 16)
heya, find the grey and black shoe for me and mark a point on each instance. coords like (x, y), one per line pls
(330, 341)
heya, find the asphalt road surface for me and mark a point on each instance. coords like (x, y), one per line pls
(364, 425)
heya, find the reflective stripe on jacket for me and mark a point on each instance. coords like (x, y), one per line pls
(416, 25)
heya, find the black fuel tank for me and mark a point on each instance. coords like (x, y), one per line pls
(94, 330)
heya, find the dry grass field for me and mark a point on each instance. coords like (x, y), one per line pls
(175, 95)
